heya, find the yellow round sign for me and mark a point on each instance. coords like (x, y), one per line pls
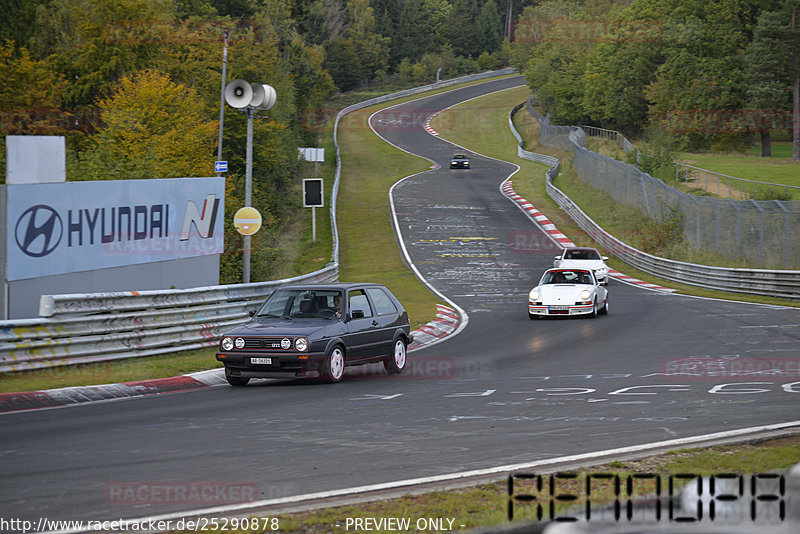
(247, 221)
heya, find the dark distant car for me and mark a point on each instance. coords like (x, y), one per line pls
(317, 330)
(459, 161)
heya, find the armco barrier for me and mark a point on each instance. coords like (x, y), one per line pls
(107, 326)
(773, 283)
(96, 327)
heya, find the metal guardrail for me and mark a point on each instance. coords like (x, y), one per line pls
(86, 328)
(95, 327)
(774, 283)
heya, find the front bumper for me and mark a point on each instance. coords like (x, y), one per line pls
(282, 365)
(576, 309)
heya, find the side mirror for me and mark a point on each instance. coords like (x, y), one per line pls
(605, 258)
(357, 314)
(557, 257)
(252, 313)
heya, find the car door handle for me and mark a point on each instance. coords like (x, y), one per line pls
(375, 323)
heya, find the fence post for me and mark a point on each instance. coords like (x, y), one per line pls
(644, 192)
(697, 219)
(760, 228)
(785, 233)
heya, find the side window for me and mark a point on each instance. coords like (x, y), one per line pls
(358, 301)
(383, 304)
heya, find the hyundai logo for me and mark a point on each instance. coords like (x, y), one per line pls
(39, 230)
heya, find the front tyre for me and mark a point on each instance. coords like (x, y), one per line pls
(236, 381)
(334, 365)
(395, 363)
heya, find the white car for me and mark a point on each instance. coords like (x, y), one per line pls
(566, 291)
(584, 258)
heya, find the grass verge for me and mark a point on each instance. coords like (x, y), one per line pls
(112, 372)
(777, 170)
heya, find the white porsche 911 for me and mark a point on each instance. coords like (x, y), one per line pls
(566, 291)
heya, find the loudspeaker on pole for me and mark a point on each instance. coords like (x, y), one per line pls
(238, 94)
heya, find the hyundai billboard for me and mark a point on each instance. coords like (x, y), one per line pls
(71, 227)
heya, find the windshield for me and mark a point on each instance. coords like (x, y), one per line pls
(581, 255)
(567, 277)
(297, 303)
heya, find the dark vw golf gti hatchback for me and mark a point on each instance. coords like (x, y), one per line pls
(317, 330)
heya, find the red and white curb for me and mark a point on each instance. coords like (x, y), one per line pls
(427, 124)
(51, 398)
(542, 220)
(444, 324)
(537, 216)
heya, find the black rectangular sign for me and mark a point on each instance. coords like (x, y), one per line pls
(312, 193)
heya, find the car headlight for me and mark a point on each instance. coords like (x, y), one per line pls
(239, 343)
(602, 270)
(534, 295)
(585, 295)
(227, 343)
(301, 344)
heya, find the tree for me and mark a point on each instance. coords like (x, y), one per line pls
(372, 49)
(769, 74)
(489, 34)
(415, 31)
(461, 29)
(19, 17)
(360, 52)
(618, 71)
(26, 83)
(152, 128)
(702, 71)
(555, 75)
(94, 43)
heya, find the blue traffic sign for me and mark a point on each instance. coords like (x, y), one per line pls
(220, 166)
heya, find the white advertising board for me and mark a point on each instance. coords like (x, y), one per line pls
(81, 226)
(35, 159)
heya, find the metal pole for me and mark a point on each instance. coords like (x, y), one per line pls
(314, 224)
(248, 193)
(225, 34)
(313, 208)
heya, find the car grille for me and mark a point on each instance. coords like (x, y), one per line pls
(263, 343)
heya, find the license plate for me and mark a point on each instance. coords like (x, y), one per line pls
(261, 361)
(559, 308)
